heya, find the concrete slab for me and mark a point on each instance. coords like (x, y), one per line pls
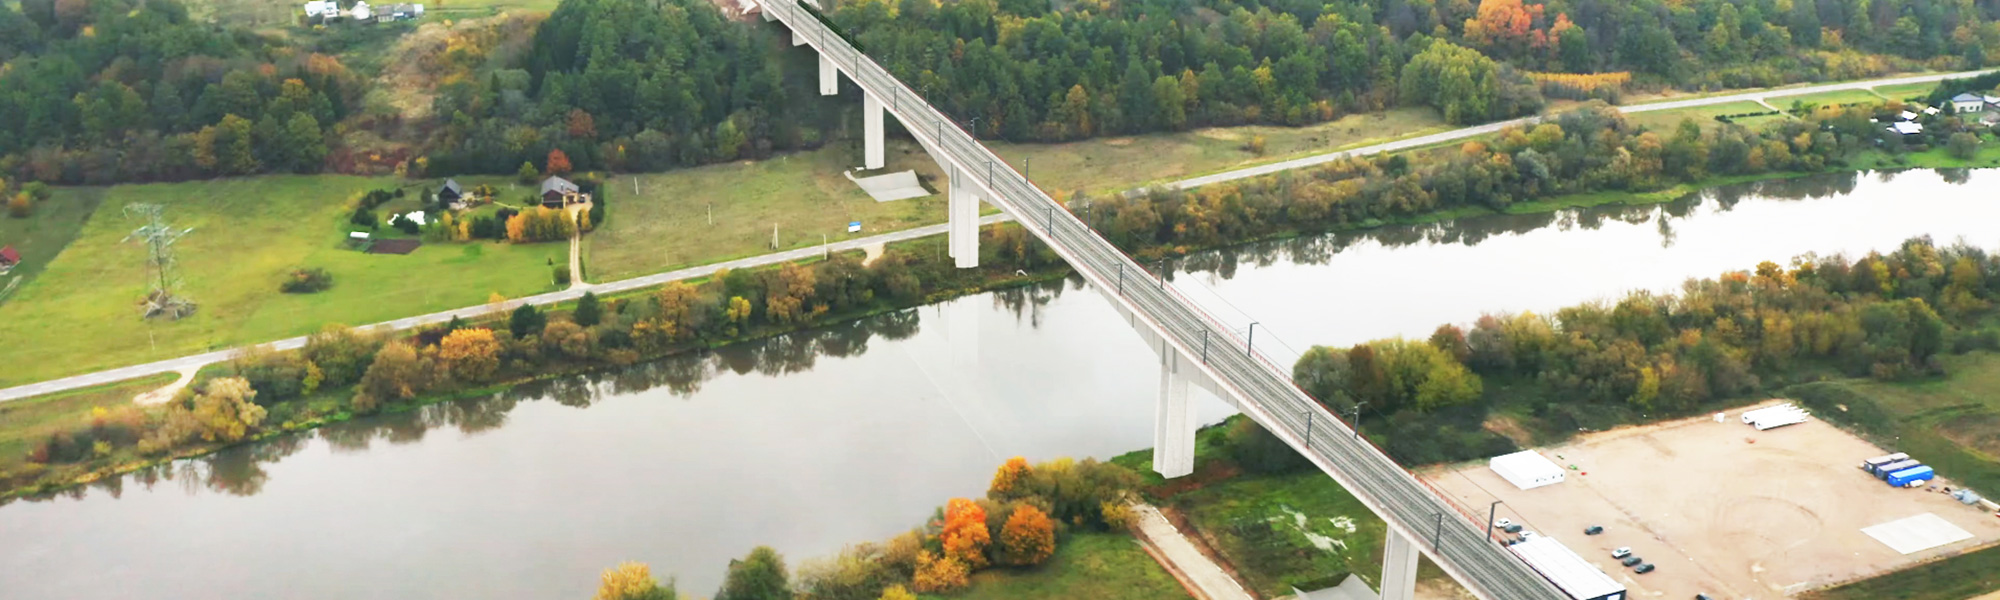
(890, 187)
(1918, 533)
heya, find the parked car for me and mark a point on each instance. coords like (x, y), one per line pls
(1630, 560)
(1703, 597)
(1593, 530)
(1512, 528)
(1528, 535)
(1644, 568)
(1621, 552)
(1503, 523)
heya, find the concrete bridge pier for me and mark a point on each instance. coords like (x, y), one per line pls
(829, 76)
(1174, 421)
(963, 211)
(1399, 567)
(871, 119)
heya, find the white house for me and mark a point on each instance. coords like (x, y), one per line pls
(1908, 116)
(1968, 103)
(1906, 127)
(322, 8)
(361, 12)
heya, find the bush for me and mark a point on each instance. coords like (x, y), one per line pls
(364, 217)
(1258, 451)
(562, 275)
(307, 281)
(404, 224)
(20, 206)
(1963, 145)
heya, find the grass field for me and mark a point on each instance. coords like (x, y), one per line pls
(806, 195)
(44, 234)
(1828, 98)
(30, 419)
(1279, 532)
(1667, 120)
(1957, 578)
(1121, 163)
(1101, 566)
(1906, 90)
(81, 314)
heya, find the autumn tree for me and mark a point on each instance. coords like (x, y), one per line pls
(340, 352)
(557, 163)
(224, 410)
(20, 206)
(897, 592)
(632, 581)
(1028, 538)
(937, 574)
(759, 576)
(965, 536)
(785, 302)
(1005, 478)
(470, 354)
(398, 373)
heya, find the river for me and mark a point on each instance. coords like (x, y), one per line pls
(855, 432)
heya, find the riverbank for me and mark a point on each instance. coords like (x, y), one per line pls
(327, 406)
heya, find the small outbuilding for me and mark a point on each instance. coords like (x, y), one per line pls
(1563, 567)
(1968, 103)
(1906, 128)
(558, 192)
(1526, 469)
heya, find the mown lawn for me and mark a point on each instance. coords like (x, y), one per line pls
(81, 314)
(1100, 566)
(1838, 97)
(1906, 90)
(45, 232)
(1667, 120)
(1121, 163)
(666, 224)
(25, 421)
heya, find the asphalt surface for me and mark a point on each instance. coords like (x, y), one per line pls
(1489, 128)
(1260, 388)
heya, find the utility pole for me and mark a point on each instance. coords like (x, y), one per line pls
(1355, 418)
(1438, 535)
(774, 236)
(1250, 343)
(1489, 519)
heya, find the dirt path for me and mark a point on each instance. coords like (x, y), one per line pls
(576, 249)
(162, 395)
(1187, 563)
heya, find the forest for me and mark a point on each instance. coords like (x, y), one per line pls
(118, 90)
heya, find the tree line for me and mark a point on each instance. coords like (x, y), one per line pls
(1584, 150)
(1648, 356)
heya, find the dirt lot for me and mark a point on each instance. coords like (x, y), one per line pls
(1718, 513)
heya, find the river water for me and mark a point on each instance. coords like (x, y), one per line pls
(855, 432)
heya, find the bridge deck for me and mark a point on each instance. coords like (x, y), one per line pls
(1260, 388)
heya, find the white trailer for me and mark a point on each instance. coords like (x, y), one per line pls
(1526, 469)
(1775, 416)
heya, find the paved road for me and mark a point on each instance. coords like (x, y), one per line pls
(1195, 567)
(199, 360)
(1260, 388)
(1457, 134)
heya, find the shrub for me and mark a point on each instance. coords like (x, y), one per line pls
(1028, 538)
(364, 217)
(1258, 451)
(562, 275)
(20, 206)
(404, 224)
(1963, 145)
(307, 281)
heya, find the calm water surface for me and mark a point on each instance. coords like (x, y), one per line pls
(855, 432)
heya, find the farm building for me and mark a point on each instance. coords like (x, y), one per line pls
(1526, 469)
(558, 192)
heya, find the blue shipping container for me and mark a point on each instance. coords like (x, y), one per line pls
(1882, 472)
(1907, 476)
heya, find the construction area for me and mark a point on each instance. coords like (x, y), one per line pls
(1723, 506)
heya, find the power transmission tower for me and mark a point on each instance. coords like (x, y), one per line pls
(159, 238)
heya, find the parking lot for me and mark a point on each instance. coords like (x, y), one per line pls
(1720, 508)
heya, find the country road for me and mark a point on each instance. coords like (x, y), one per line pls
(1457, 134)
(198, 360)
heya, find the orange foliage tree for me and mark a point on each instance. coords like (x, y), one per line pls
(1506, 26)
(1003, 481)
(1028, 538)
(965, 536)
(558, 163)
(470, 354)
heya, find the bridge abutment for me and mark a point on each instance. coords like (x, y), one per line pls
(1174, 420)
